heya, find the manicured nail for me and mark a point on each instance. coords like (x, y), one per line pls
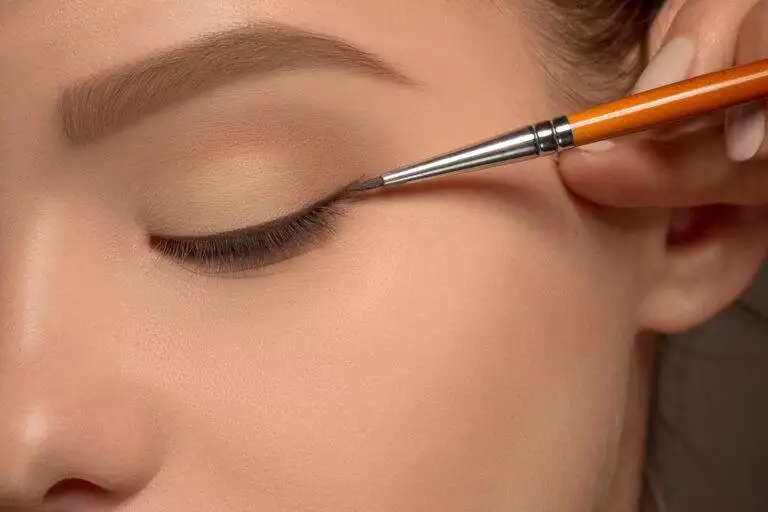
(671, 64)
(681, 128)
(745, 131)
(599, 147)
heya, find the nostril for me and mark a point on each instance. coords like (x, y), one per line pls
(74, 487)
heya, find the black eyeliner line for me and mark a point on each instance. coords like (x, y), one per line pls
(342, 194)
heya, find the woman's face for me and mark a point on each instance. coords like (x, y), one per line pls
(459, 345)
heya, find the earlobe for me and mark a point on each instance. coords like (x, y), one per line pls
(712, 254)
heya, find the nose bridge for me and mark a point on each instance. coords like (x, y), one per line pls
(27, 250)
(54, 278)
(21, 276)
(66, 409)
(53, 284)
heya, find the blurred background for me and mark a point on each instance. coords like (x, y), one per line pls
(708, 450)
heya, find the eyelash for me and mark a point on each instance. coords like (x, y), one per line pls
(250, 249)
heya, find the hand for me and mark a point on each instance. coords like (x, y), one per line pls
(719, 159)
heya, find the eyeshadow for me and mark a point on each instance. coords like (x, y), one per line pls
(256, 246)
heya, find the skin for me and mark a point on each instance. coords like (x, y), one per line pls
(471, 344)
(685, 173)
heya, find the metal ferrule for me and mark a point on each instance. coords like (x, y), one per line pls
(541, 139)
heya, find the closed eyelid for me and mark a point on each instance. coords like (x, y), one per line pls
(342, 194)
(232, 252)
(227, 254)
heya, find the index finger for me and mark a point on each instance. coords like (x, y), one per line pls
(692, 170)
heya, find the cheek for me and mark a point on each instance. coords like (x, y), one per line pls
(437, 343)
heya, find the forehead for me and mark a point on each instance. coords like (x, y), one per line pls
(50, 42)
(74, 38)
(49, 45)
(144, 22)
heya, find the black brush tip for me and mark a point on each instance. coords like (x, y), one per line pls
(371, 184)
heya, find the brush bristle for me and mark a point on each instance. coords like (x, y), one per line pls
(367, 185)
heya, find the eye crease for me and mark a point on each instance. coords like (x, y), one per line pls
(258, 246)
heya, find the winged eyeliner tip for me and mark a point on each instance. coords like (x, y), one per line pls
(363, 186)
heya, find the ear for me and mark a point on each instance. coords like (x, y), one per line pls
(708, 258)
(702, 258)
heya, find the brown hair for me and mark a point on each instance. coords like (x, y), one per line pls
(601, 44)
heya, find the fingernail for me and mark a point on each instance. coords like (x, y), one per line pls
(671, 64)
(598, 147)
(687, 127)
(745, 131)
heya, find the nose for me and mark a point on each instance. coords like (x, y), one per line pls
(78, 432)
(79, 450)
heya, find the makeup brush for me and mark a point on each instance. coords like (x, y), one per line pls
(682, 100)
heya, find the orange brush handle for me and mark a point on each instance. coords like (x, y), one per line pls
(682, 100)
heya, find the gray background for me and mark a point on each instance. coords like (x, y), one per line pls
(708, 450)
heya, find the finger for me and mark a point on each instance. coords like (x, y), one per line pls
(665, 171)
(746, 126)
(713, 32)
(691, 170)
(713, 28)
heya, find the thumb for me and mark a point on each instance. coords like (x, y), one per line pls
(701, 36)
(614, 172)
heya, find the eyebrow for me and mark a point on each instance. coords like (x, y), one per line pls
(107, 103)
